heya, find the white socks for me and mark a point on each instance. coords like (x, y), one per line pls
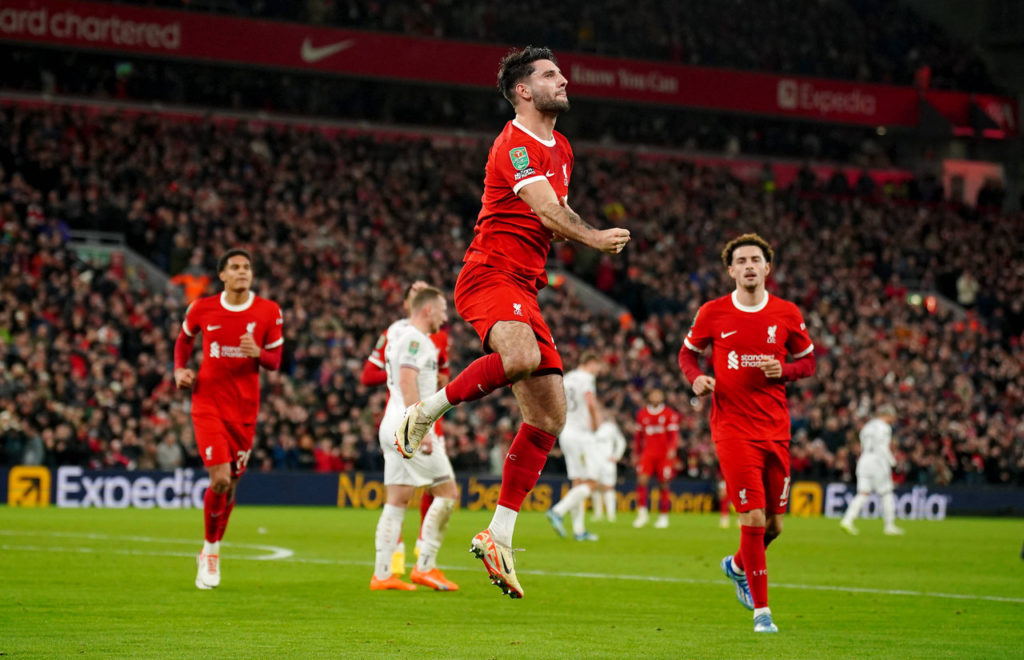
(579, 525)
(503, 524)
(389, 528)
(435, 524)
(597, 503)
(211, 548)
(437, 404)
(576, 495)
(611, 503)
(889, 510)
(856, 504)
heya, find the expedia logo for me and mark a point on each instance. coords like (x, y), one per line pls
(787, 94)
(78, 489)
(28, 485)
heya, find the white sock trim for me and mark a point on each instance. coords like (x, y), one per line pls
(503, 524)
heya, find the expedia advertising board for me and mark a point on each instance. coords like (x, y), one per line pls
(75, 487)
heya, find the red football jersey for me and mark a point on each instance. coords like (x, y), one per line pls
(228, 383)
(508, 234)
(657, 429)
(746, 405)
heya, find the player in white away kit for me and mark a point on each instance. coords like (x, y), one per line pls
(874, 471)
(609, 448)
(411, 361)
(582, 417)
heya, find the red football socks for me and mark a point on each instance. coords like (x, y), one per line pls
(223, 520)
(523, 464)
(754, 563)
(425, 503)
(641, 497)
(214, 504)
(664, 500)
(480, 378)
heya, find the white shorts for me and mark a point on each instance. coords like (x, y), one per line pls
(578, 450)
(874, 476)
(604, 467)
(421, 470)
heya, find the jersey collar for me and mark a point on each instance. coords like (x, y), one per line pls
(546, 143)
(749, 308)
(236, 308)
(654, 410)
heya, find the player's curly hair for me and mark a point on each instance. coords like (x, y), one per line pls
(222, 263)
(743, 240)
(518, 64)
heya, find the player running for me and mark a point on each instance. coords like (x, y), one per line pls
(874, 472)
(525, 207)
(654, 449)
(752, 332)
(241, 333)
(411, 361)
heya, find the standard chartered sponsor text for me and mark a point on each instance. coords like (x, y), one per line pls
(101, 30)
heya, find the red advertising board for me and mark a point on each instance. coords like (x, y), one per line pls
(206, 37)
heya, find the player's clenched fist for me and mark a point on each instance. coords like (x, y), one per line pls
(184, 378)
(612, 240)
(248, 346)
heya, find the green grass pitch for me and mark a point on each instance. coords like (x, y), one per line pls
(119, 583)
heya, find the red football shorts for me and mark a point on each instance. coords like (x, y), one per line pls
(220, 441)
(756, 473)
(485, 295)
(657, 463)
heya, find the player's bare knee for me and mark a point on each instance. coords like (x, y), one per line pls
(220, 484)
(520, 362)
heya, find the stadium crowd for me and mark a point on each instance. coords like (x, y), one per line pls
(106, 76)
(876, 40)
(340, 223)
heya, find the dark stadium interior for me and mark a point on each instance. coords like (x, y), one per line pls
(348, 189)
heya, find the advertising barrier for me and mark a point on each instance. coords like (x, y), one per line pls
(74, 487)
(223, 39)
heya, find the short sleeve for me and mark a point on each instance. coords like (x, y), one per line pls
(699, 336)
(523, 164)
(275, 333)
(798, 343)
(377, 356)
(193, 321)
(411, 351)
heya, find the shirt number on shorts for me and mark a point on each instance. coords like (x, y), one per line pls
(785, 493)
(243, 459)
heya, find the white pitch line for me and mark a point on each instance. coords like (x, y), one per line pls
(289, 556)
(274, 552)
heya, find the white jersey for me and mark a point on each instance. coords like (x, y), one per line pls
(875, 438)
(408, 347)
(577, 414)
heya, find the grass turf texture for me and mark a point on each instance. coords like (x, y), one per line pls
(120, 583)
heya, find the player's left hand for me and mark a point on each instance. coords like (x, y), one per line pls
(771, 368)
(248, 346)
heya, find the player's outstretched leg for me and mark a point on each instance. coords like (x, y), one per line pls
(739, 578)
(208, 561)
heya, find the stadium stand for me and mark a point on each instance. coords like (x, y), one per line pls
(342, 220)
(876, 40)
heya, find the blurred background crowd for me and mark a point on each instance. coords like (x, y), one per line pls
(910, 299)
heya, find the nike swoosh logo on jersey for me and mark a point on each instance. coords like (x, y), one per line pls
(729, 334)
(312, 54)
(211, 328)
(549, 173)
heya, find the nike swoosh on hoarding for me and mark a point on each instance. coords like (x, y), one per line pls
(312, 54)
